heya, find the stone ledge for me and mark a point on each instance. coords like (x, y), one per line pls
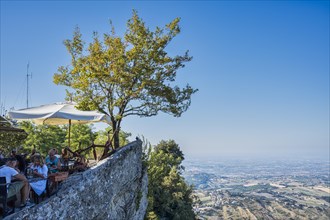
(108, 190)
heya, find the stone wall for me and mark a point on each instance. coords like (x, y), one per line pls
(116, 188)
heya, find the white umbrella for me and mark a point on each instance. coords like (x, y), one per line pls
(59, 114)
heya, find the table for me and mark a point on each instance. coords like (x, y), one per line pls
(32, 179)
(54, 180)
(58, 177)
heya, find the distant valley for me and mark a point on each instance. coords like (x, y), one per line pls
(247, 189)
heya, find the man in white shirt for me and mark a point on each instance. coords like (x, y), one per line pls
(8, 170)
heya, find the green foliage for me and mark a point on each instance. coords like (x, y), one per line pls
(146, 152)
(82, 136)
(123, 137)
(132, 75)
(43, 137)
(46, 137)
(169, 197)
(102, 136)
(10, 137)
(151, 216)
(9, 141)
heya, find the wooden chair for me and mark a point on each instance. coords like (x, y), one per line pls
(4, 200)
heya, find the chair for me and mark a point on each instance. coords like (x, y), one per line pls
(4, 200)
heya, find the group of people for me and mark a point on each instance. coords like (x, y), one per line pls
(15, 171)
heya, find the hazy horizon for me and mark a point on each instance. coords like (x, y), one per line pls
(266, 158)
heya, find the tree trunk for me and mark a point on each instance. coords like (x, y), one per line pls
(115, 130)
(116, 138)
(113, 141)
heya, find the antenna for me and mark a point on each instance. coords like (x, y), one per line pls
(27, 84)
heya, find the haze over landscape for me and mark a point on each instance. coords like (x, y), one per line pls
(262, 70)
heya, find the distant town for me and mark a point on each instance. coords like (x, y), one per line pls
(260, 189)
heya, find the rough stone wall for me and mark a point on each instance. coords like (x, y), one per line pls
(116, 188)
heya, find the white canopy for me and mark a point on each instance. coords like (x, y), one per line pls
(59, 113)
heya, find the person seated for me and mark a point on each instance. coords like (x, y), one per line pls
(53, 163)
(21, 184)
(21, 164)
(65, 159)
(33, 153)
(56, 153)
(80, 164)
(39, 169)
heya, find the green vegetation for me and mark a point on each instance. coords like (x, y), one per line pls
(130, 75)
(120, 77)
(169, 196)
(9, 136)
(82, 136)
(46, 137)
(42, 137)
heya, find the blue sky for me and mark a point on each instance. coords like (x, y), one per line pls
(262, 69)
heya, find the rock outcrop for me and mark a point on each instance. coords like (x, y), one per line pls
(116, 188)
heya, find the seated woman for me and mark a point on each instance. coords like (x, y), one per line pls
(33, 153)
(39, 170)
(53, 163)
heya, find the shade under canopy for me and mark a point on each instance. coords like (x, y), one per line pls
(59, 114)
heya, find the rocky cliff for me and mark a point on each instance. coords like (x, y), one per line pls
(116, 188)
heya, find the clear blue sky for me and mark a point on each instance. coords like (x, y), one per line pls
(262, 69)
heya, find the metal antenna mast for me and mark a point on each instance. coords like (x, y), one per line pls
(27, 84)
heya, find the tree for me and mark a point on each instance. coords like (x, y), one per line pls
(10, 137)
(102, 137)
(132, 75)
(169, 197)
(82, 136)
(43, 137)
